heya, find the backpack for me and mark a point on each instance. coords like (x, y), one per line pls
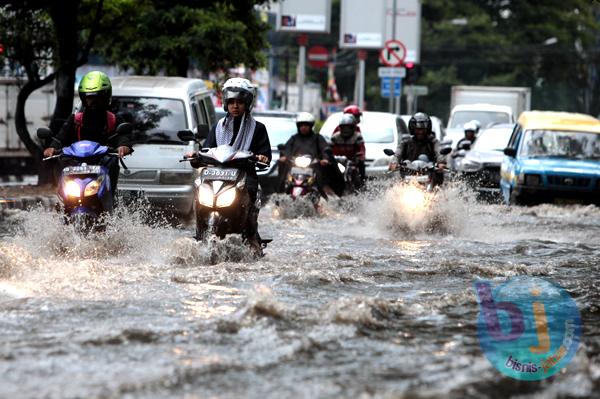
(111, 122)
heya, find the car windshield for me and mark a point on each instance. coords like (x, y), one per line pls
(378, 129)
(561, 144)
(485, 118)
(155, 120)
(492, 140)
(278, 129)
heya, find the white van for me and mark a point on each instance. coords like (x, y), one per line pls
(159, 107)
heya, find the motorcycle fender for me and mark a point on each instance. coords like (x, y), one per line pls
(297, 192)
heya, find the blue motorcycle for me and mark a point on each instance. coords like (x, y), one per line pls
(84, 185)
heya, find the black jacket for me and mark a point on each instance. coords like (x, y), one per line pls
(94, 128)
(311, 144)
(411, 149)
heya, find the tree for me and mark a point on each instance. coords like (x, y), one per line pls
(519, 43)
(170, 36)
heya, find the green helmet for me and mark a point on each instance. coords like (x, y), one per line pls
(95, 83)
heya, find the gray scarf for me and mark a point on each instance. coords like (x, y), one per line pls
(224, 132)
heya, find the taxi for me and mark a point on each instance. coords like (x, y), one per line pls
(552, 157)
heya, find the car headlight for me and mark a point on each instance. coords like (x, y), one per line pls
(226, 198)
(176, 177)
(533, 180)
(205, 195)
(72, 189)
(468, 165)
(302, 162)
(93, 186)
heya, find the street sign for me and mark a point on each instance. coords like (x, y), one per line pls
(407, 24)
(318, 57)
(393, 53)
(391, 72)
(386, 87)
(416, 90)
(312, 16)
(362, 24)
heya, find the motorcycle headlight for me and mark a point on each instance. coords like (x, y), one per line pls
(468, 165)
(341, 167)
(72, 189)
(205, 195)
(226, 198)
(93, 187)
(302, 162)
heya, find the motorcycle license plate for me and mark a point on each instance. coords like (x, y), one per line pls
(220, 174)
(301, 171)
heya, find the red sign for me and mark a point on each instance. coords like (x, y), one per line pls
(318, 57)
(393, 53)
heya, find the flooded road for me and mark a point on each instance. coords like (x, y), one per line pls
(370, 299)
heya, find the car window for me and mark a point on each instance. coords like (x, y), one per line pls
(485, 118)
(210, 111)
(155, 120)
(514, 138)
(278, 129)
(561, 144)
(195, 113)
(377, 129)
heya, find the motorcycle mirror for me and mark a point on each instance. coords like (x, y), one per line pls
(44, 133)
(511, 152)
(202, 132)
(186, 135)
(281, 147)
(124, 129)
(445, 150)
(388, 152)
(446, 142)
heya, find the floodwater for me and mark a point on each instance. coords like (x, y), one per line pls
(370, 298)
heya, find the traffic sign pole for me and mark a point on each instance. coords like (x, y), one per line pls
(362, 56)
(302, 42)
(391, 104)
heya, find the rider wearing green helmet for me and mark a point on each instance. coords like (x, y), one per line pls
(94, 123)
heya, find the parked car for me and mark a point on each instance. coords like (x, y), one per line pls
(380, 130)
(159, 107)
(552, 156)
(281, 125)
(480, 166)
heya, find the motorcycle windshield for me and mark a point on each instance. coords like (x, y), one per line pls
(85, 149)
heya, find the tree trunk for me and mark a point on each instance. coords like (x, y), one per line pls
(45, 174)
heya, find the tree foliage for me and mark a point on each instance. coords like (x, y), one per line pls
(170, 36)
(548, 46)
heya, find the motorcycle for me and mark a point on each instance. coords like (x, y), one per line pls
(301, 179)
(350, 173)
(84, 186)
(222, 201)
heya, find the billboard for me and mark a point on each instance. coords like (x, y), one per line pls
(408, 26)
(362, 24)
(304, 16)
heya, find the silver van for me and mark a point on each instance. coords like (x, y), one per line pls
(159, 107)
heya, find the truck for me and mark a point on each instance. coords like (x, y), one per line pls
(487, 104)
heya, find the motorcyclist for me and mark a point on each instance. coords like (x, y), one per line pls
(471, 129)
(355, 112)
(307, 142)
(422, 141)
(241, 131)
(94, 123)
(348, 141)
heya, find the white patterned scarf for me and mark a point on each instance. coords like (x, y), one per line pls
(224, 132)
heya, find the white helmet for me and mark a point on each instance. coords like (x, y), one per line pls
(239, 88)
(471, 125)
(305, 117)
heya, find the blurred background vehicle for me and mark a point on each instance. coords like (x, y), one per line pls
(480, 167)
(281, 125)
(380, 130)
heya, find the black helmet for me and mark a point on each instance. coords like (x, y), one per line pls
(419, 120)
